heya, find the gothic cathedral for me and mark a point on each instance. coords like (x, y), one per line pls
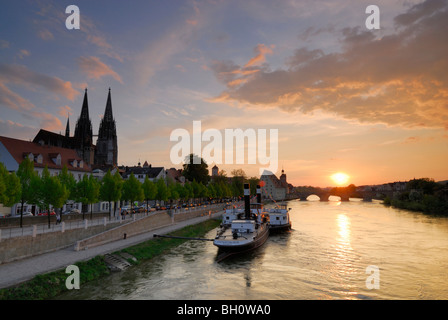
(102, 155)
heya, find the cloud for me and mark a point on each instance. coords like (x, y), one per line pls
(65, 111)
(12, 100)
(94, 68)
(234, 75)
(261, 51)
(23, 53)
(47, 120)
(21, 75)
(52, 16)
(14, 129)
(399, 79)
(4, 44)
(45, 34)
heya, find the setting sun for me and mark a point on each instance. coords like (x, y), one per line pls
(340, 178)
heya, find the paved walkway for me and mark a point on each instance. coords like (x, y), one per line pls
(22, 270)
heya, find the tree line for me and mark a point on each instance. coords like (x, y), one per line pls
(47, 191)
(423, 195)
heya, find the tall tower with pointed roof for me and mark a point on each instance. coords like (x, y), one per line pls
(67, 128)
(83, 134)
(106, 152)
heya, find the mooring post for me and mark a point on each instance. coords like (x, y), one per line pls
(62, 226)
(34, 231)
(86, 223)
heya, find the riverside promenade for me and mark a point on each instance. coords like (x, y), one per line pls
(22, 270)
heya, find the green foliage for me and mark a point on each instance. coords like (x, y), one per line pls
(3, 173)
(162, 190)
(426, 185)
(149, 189)
(68, 180)
(10, 187)
(196, 172)
(132, 190)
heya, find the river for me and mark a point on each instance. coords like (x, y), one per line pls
(326, 256)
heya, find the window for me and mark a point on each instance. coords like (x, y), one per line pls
(39, 159)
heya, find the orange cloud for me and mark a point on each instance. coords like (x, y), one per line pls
(261, 51)
(94, 68)
(21, 75)
(399, 79)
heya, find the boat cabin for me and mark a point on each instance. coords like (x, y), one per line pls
(243, 226)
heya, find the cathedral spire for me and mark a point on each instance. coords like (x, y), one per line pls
(67, 128)
(108, 116)
(85, 108)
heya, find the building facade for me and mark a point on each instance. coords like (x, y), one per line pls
(273, 187)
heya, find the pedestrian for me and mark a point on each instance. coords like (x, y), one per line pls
(58, 218)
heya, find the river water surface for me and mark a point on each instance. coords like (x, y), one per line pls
(325, 256)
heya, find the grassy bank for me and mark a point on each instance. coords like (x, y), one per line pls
(47, 286)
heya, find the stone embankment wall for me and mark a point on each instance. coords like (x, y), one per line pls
(16, 248)
(140, 226)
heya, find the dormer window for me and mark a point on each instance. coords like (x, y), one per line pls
(28, 155)
(81, 164)
(56, 157)
(39, 158)
(75, 163)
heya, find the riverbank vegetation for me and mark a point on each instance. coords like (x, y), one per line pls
(422, 195)
(50, 285)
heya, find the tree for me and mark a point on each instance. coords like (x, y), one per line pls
(94, 193)
(3, 173)
(149, 191)
(237, 185)
(68, 180)
(10, 187)
(119, 183)
(82, 193)
(26, 174)
(49, 192)
(195, 168)
(162, 190)
(253, 182)
(108, 190)
(132, 190)
(173, 195)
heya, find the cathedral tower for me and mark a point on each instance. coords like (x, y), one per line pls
(106, 152)
(83, 134)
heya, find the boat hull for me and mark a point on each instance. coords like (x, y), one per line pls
(280, 228)
(235, 247)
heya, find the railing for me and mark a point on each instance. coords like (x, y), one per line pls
(42, 228)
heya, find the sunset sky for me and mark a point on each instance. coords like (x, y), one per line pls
(369, 103)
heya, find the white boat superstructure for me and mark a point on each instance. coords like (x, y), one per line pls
(279, 218)
(246, 232)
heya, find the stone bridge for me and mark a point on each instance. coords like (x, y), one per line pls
(325, 194)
